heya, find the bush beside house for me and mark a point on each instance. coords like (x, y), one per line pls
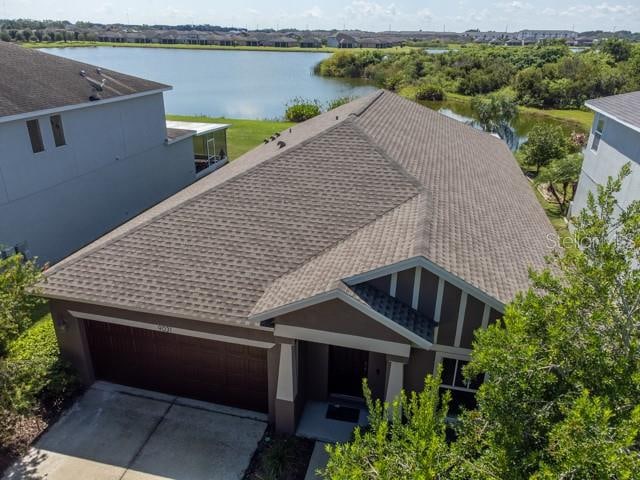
(34, 381)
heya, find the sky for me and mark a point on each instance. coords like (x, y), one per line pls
(452, 15)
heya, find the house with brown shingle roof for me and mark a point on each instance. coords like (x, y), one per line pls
(368, 242)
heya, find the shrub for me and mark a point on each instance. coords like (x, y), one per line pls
(33, 372)
(17, 278)
(338, 102)
(299, 110)
(429, 91)
(405, 439)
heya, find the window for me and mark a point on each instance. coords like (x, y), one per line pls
(462, 390)
(58, 131)
(597, 134)
(33, 126)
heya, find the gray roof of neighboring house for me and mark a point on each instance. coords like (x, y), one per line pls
(31, 80)
(388, 180)
(624, 108)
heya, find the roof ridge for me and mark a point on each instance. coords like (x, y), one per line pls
(336, 245)
(386, 155)
(364, 108)
(446, 118)
(63, 265)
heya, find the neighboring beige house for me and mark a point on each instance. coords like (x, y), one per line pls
(369, 242)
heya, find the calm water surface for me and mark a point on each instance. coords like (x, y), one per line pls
(223, 83)
(518, 129)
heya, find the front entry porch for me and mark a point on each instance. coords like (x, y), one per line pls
(319, 393)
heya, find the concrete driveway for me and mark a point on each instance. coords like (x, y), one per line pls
(118, 433)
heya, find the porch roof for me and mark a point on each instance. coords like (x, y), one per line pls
(394, 310)
(200, 128)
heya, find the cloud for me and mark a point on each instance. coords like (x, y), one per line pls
(424, 14)
(514, 6)
(364, 9)
(600, 11)
(313, 12)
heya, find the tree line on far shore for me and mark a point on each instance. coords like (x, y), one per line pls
(548, 75)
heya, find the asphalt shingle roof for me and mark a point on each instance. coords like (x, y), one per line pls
(395, 310)
(372, 183)
(31, 80)
(624, 107)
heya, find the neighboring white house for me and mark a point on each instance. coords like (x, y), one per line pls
(614, 141)
(82, 150)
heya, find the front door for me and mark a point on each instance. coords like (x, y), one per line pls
(347, 368)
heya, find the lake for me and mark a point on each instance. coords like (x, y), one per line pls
(223, 83)
(518, 129)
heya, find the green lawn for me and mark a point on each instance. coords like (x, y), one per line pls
(583, 118)
(243, 135)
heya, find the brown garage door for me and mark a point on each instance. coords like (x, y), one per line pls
(192, 367)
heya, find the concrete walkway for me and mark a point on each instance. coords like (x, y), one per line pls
(118, 433)
(319, 458)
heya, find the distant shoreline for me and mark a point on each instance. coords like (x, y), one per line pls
(184, 46)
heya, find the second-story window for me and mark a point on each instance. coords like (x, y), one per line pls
(597, 134)
(58, 131)
(35, 135)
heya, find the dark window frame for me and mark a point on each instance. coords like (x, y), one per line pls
(35, 135)
(453, 381)
(597, 133)
(58, 130)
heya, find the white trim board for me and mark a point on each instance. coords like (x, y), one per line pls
(157, 327)
(433, 268)
(343, 340)
(66, 108)
(245, 323)
(460, 323)
(611, 117)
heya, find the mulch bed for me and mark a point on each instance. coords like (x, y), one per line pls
(19, 432)
(280, 457)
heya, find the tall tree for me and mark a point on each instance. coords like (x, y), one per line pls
(545, 143)
(561, 397)
(561, 176)
(494, 111)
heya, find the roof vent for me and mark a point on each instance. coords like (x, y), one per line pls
(99, 71)
(83, 73)
(98, 86)
(281, 144)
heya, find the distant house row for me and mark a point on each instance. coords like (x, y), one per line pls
(290, 39)
(250, 39)
(527, 37)
(256, 39)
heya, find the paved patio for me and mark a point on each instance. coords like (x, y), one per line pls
(118, 433)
